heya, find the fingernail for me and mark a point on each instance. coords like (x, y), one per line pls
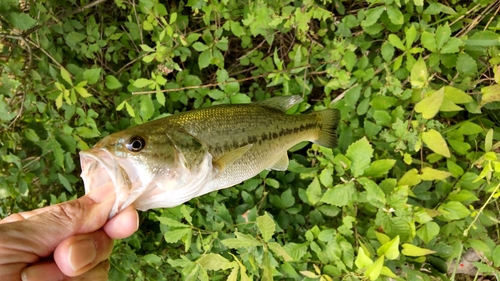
(102, 194)
(81, 254)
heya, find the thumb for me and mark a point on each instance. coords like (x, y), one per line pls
(42, 232)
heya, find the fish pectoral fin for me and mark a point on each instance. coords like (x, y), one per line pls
(281, 164)
(227, 159)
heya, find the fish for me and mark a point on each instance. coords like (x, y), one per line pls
(168, 161)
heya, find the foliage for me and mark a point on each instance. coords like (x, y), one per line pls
(412, 185)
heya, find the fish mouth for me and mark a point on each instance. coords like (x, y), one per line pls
(101, 170)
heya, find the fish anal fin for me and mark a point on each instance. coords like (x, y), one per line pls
(282, 103)
(230, 157)
(281, 164)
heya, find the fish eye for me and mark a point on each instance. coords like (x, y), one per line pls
(136, 144)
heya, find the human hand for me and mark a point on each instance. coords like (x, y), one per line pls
(67, 241)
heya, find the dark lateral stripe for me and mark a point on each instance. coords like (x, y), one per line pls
(228, 146)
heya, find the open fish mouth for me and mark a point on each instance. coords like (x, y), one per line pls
(101, 170)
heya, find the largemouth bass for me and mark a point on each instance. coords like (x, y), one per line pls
(168, 161)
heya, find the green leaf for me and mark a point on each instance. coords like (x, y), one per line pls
(314, 192)
(340, 195)
(387, 272)
(411, 34)
(278, 250)
(374, 192)
(373, 271)
(360, 154)
(410, 250)
(428, 41)
(204, 59)
(453, 211)
(92, 75)
(147, 107)
(215, 262)
(173, 236)
(430, 105)
(266, 226)
(21, 21)
(242, 241)
(452, 46)
(395, 15)
(142, 82)
(490, 94)
(428, 231)
(237, 29)
(410, 178)
(372, 16)
(200, 47)
(64, 181)
(112, 83)
(390, 249)
(469, 128)
(152, 259)
(396, 42)
(171, 222)
(443, 33)
(419, 75)
(449, 106)
(456, 95)
(466, 65)
(436, 142)
(240, 98)
(66, 76)
(379, 168)
(82, 92)
(86, 132)
(130, 110)
(146, 48)
(362, 260)
(31, 135)
(430, 174)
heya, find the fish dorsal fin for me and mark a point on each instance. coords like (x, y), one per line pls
(231, 156)
(281, 164)
(282, 103)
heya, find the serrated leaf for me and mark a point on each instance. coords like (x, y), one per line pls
(395, 15)
(173, 236)
(152, 259)
(490, 94)
(360, 154)
(436, 142)
(396, 42)
(314, 192)
(147, 107)
(443, 33)
(64, 181)
(373, 191)
(340, 195)
(242, 241)
(419, 74)
(215, 262)
(266, 226)
(171, 222)
(430, 105)
(452, 46)
(411, 250)
(466, 65)
(390, 249)
(428, 40)
(280, 251)
(112, 83)
(86, 132)
(430, 174)
(237, 29)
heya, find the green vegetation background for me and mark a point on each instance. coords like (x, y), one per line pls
(412, 185)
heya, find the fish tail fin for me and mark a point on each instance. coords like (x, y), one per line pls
(330, 119)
